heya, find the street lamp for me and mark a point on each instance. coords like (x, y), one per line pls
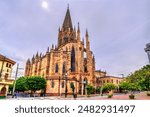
(83, 84)
(14, 86)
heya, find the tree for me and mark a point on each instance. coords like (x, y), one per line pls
(124, 86)
(141, 78)
(89, 89)
(10, 88)
(109, 87)
(36, 83)
(72, 87)
(21, 84)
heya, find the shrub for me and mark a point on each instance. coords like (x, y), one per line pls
(148, 93)
(110, 95)
(89, 89)
(131, 96)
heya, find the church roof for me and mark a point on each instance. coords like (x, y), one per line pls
(67, 21)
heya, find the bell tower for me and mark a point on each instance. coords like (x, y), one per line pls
(66, 33)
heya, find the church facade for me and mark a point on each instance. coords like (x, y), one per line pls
(70, 62)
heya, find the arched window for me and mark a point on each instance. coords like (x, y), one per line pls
(62, 85)
(66, 39)
(64, 67)
(85, 68)
(53, 84)
(56, 68)
(73, 60)
(6, 64)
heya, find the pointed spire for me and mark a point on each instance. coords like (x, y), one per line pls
(67, 21)
(40, 54)
(47, 49)
(28, 61)
(83, 40)
(52, 46)
(33, 59)
(74, 28)
(87, 35)
(37, 55)
(78, 28)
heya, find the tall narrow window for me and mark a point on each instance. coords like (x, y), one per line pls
(73, 60)
(64, 68)
(53, 84)
(56, 68)
(63, 84)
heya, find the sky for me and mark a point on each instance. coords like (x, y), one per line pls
(118, 30)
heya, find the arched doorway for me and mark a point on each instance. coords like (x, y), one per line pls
(3, 90)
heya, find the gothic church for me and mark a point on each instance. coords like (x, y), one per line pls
(69, 62)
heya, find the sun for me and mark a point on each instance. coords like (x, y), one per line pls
(45, 4)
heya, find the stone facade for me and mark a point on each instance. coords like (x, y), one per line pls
(71, 61)
(6, 65)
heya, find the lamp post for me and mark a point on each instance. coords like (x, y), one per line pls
(83, 84)
(14, 86)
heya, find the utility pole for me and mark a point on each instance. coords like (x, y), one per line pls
(14, 86)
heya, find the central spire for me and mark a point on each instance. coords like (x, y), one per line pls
(67, 21)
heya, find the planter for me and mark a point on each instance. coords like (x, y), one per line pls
(2, 96)
(132, 96)
(110, 95)
(87, 95)
(148, 93)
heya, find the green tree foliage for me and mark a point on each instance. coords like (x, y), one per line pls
(21, 84)
(72, 87)
(140, 78)
(109, 87)
(89, 89)
(36, 83)
(32, 83)
(10, 88)
(124, 85)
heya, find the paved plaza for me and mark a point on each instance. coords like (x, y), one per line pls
(138, 96)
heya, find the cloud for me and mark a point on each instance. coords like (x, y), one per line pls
(118, 30)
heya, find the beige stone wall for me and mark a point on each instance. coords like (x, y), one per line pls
(5, 79)
(6, 70)
(109, 79)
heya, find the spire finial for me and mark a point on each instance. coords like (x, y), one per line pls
(68, 6)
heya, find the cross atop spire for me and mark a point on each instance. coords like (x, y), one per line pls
(67, 21)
